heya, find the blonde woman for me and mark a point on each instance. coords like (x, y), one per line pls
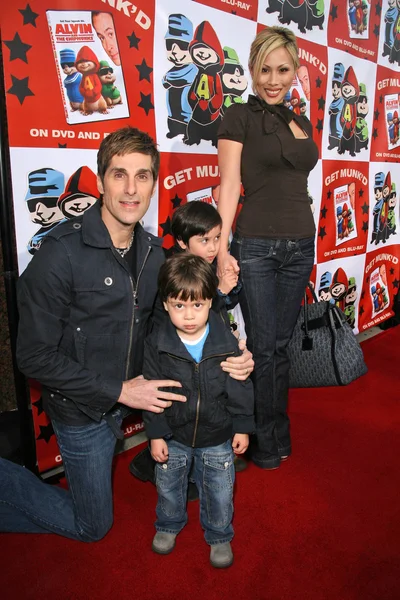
(269, 149)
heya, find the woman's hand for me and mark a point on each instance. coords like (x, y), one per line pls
(228, 281)
(226, 262)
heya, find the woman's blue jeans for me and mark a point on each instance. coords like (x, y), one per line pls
(214, 474)
(83, 512)
(274, 275)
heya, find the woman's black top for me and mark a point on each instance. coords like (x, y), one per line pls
(274, 170)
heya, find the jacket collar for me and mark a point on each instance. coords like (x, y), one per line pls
(219, 340)
(95, 233)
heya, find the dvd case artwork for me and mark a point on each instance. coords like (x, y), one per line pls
(344, 211)
(378, 290)
(392, 112)
(88, 64)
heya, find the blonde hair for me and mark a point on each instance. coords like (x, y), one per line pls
(265, 42)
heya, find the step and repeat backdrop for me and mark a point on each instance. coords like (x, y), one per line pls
(75, 70)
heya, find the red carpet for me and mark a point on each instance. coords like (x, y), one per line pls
(325, 526)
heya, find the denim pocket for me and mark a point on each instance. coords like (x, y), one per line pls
(218, 487)
(306, 248)
(169, 481)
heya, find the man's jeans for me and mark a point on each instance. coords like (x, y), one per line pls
(274, 275)
(214, 474)
(85, 511)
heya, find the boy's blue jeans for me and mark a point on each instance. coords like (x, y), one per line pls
(83, 512)
(214, 474)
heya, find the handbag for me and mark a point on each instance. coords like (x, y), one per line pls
(323, 349)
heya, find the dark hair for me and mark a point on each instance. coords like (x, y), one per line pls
(125, 141)
(187, 276)
(194, 218)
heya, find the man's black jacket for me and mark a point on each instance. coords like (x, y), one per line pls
(83, 319)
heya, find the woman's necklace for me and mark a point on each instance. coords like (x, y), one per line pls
(123, 251)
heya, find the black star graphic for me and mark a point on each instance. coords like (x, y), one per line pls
(361, 311)
(145, 102)
(376, 31)
(133, 40)
(46, 431)
(375, 133)
(329, 194)
(324, 210)
(176, 201)
(322, 233)
(396, 283)
(319, 125)
(144, 71)
(321, 103)
(361, 193)
(20, 88)
(333, 14)
(380, 99)
(29, 16)
(166, 227)
(365, 226)
(62, 145)
(376, 115)
(365, 208)
(378, 9)
(318, 82)
(362, 295)
(18, 48)
(391, 271)
(39, 405)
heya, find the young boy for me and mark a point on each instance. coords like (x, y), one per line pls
(216, 418)
(196, 227)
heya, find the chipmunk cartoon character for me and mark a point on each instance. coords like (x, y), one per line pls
(348, 117)
(179, 78)
(72, 80)
(109, 91)
(90, 87)
(206, 95)
(234, 82)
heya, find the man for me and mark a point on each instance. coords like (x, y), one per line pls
(85, 304)
(103, 24)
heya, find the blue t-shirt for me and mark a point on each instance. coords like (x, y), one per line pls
(195, 348)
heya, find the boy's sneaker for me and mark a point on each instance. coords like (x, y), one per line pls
(221, 555)
(240, 464)
(163, 543)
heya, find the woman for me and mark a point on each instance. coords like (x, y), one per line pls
(269, 149)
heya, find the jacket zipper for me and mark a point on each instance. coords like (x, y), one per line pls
(196, 369)
(134, 295)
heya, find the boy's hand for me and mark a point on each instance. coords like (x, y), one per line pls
(227, 281)
(159, 450)
(240, 443)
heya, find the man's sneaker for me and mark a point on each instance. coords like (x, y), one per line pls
(240, 464)
(142, 466)
(163, 543)
(221, 555)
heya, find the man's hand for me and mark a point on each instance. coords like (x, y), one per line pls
(145, 395)
(159, 450)
(239, 367)
(240, 443)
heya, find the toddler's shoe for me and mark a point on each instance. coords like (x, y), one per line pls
(221, 555)
(163, 543)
